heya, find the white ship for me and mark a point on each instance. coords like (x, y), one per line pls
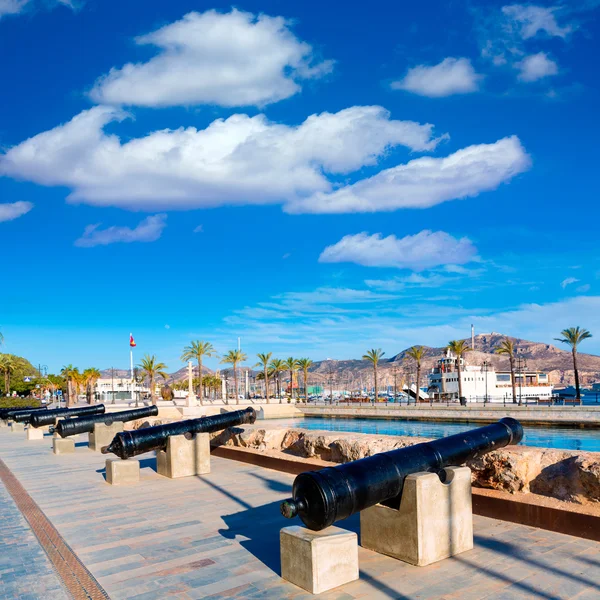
(482, 383)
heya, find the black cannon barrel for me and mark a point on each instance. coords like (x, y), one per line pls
(132, 443)
(8, 413)
(67, 427)
(323, 497)
(50, 416)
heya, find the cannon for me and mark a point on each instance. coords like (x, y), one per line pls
(7, 414)
(323, 497)
(49, 417)
(131, 443)
(85, 424)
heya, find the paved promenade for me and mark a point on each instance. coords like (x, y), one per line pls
(217, 536)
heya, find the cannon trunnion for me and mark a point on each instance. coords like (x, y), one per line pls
(131, 443)
(48, 417)
(85, 424)
(323, 497)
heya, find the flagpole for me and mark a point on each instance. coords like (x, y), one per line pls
(131, 367)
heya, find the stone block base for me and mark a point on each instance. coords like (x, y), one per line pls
(34, 434)
(14, 427)
(122, 472)
(434, 521)
(184, 457)
(318, 561)
(103, 435)
(60, 446)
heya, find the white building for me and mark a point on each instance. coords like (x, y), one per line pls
(482, 383)
(119, 388)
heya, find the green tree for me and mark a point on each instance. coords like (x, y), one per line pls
(291, 364)
(234, 358)
(459, 348)
(305, 364)
(70, 373)
(195, 351)
(507, 348)
(374, 356)
(277, 367)
(573, 336)
(263, 361)
(417, 353)
(90, 377)
(8, 366)
(152, 368)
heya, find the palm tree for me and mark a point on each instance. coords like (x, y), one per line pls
(70, 373)
(234, 358)
(507, 347)
(90, 377)
(277, 367)
(459, 348)
(573, 336)
(195, 351)
(417, 353)
(8, 367)
(374, 356)
(152, 368)
(305, 364)
(263, 361)
(291, 364)
(1, 339)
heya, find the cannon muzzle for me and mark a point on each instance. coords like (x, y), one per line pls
(323, 497)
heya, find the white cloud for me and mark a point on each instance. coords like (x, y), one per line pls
(14, 7)
(198, 229)
(233, 59)
(536, 66)
(148, 230)
(451, 76)
(568, 281)
(238, 160)
(8, 212)
(529, 20)
(423, 250)
(583, 288)
(425, 182)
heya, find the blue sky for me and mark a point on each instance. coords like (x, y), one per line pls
(317, 181)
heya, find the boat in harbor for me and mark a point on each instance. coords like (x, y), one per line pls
(482, 383)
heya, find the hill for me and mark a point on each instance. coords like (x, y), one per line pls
(558, 363)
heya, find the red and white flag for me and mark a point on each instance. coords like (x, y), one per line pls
(131, 340)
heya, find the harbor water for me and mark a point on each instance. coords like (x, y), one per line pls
(566, 438)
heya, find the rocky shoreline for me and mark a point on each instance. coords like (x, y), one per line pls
(566, 475)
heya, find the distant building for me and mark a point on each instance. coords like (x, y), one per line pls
(118, 388)
(480, 383)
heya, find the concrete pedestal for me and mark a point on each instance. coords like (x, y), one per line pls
(122, 472)
(14, 427)
(435, 519)
(34, 434)
(103, 435)
(183, 457)
(63, 446)
(318, 561)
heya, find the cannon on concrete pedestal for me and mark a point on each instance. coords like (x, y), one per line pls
(49, 417)
(131, 443)
(85, 424)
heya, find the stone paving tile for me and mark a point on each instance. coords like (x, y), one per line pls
(216, 537)
(25, 570)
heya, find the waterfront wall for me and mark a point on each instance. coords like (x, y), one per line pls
(566, 475)
(582, 416)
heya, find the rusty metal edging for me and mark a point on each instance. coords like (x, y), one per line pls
(78, 581)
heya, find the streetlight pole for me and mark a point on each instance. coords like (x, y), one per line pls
(485, 366)
(521, 363)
